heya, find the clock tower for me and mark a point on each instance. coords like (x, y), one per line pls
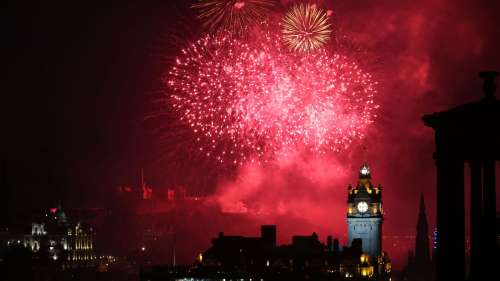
(365, 213)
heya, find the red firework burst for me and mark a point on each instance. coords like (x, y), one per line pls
(305, 28)
(233, 15)
(254, 101)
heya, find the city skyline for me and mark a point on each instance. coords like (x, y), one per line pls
(93, 95)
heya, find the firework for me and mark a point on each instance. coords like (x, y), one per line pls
(252, 101)
(233, 15)
(305, 28)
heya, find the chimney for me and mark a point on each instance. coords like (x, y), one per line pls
(336, 245)
(489, 86)
(268, 235)
(329, 243)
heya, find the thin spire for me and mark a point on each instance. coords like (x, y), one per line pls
(365, 150)
(142, 177)
(422, 204)
(422, 254)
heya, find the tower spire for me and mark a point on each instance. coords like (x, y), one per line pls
(365, 152)
(422, 256)
(422, 206)
(364, 171)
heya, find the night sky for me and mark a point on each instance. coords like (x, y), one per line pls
(81, 78)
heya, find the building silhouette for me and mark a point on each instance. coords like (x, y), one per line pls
(306, 258)
(422, 255)
(470, 134)
(419, 267)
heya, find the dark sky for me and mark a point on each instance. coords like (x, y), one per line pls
(81, 77)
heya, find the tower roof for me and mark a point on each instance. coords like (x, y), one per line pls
(364, 190)
(470, 130)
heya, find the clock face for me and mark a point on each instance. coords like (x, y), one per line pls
(362, 207)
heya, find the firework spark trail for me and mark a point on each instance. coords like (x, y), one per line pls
(305, 28)
(254, 101)
(233, 15)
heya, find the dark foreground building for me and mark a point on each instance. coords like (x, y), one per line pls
(259, 258)
(470, 134)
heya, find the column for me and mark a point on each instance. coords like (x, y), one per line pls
(489, 218)
(476, 230)
(450, 255)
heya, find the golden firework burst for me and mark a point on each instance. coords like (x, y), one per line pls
(233, 15)
(305, 28)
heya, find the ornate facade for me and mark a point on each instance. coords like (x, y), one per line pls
(53, 236)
